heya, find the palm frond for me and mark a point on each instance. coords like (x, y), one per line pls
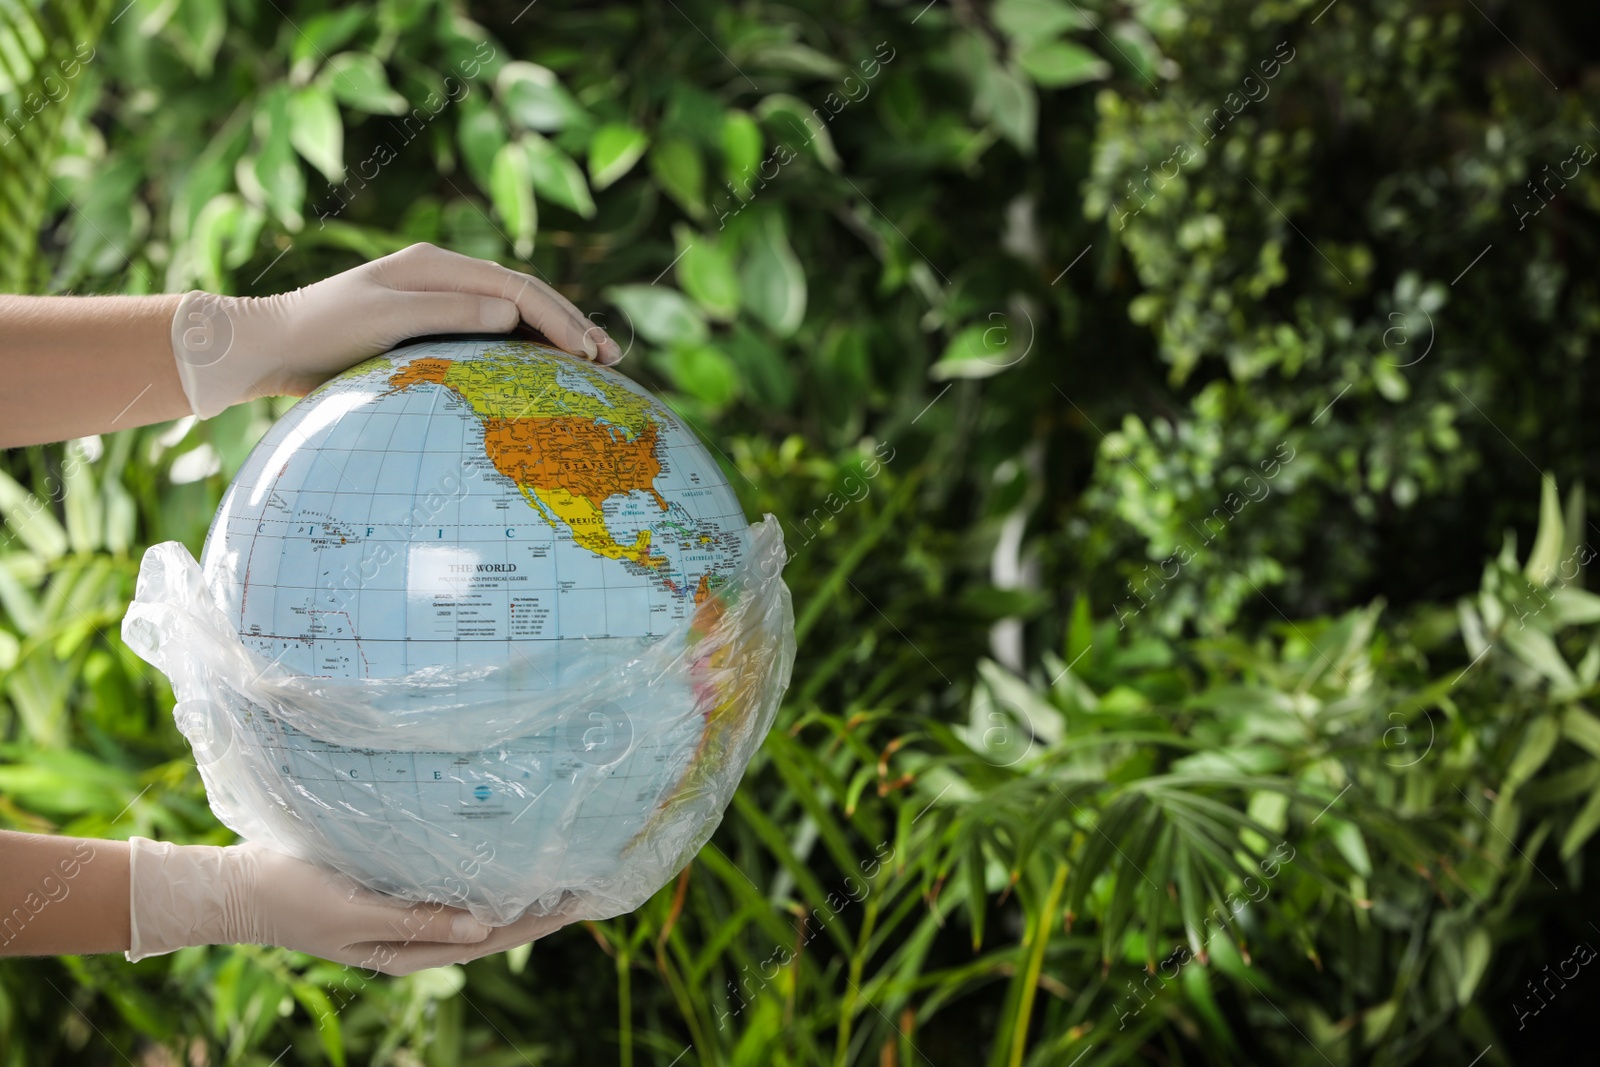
(42, 53)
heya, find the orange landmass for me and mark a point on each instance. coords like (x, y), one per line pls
(586, 458)
(572, 465)
(428, 369)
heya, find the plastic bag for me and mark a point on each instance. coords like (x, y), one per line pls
(578, 778)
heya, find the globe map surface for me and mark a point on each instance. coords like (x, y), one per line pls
(474, 509)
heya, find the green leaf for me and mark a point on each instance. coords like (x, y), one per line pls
(1505, 817)
(320, 1008)
(1197, 986)
(1236, 760)
(1394, 385)
(1536, 649)
(613, 151)
(678, 169)
(1582, 828)
(1575, 518)
(1037, 19)
(771, 278)
(1546, 554)
(797, 58)
(1589, 667)
(1134, 43)
(481, 135)
(1577, 781)
(197, 31)
(218, 222)
(534, 97)
(659, 314)
(316, 131)
(1001, 96)
(1376, 1020)
(63, 780)
(977, 895)
(706, 273)
(279, 181)
(437, 983)
(1080, 632)
(556, 177)
(741, 148)
(978, 351)
(797, 124)
(1582, 728)
(121, 517)
(21, 606)
(1034, 712)
(31, 519)
(1059, 64)
(1011, 104)
(1537, 743)
(395, 15)
(1474, 961)
(517, 957)
(326, 33)
(703, 372)
(1347, 839)
(1572, 606)
(38, 691)
(357, 80)
(511, 189)
(81, 502)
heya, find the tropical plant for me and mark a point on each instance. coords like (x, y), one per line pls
(1035, 796)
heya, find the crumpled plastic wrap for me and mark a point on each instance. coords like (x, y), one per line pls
(531, 787)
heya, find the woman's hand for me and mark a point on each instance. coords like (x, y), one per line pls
(231, 349)
(79, 365)
(248, 894)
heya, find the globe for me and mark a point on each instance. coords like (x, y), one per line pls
(476, 622)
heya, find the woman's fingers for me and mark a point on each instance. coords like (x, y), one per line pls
(407, 957)
(423, 267)
(572, 332)
(418, 924)
(428, 312)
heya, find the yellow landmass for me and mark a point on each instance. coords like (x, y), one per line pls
(565, 449)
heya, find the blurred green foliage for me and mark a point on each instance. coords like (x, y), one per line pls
(1142, 386)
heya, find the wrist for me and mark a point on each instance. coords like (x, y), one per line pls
(230, 349)
(204, 333)
(183, 895)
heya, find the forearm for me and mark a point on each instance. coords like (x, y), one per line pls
(62, 895)
(71, 366)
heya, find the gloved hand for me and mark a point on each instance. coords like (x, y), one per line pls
(235, 348)
(184, 895)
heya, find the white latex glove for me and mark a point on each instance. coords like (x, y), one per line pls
(235, 348)
(184, 895)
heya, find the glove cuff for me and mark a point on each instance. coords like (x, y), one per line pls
(205, 336)
(182, 895)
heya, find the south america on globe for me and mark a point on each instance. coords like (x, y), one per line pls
(477, 622)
